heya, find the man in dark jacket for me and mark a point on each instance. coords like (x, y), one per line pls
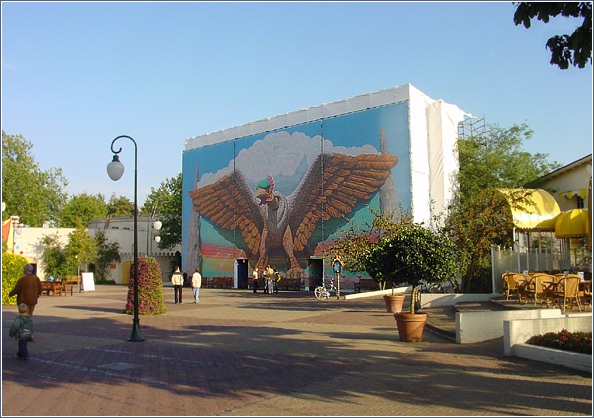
(28, 288)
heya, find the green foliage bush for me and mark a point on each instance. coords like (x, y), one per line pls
(12, 271)
(150, 288)
(578, 342)
(413, 254)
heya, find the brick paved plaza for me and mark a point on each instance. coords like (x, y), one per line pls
(239, 353)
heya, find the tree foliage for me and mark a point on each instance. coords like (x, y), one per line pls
(166, 201)
(81, 248)
(107, 253)
(574, 49)
(12, 271)
(54, 258)
(81, 209)
(415, 254)
(479, 216)
(496, 159)
(29, 192)
(120, 206)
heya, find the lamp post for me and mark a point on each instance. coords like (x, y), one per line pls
(115, 169)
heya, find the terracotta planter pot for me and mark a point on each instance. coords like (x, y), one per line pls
(394, 302)
(410, 326)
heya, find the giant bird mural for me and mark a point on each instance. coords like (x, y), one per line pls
(271, 222)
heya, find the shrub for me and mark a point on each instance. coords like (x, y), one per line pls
(150, 288)
(578, 342)
(12, 271)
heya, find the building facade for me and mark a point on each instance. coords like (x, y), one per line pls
(277, 191)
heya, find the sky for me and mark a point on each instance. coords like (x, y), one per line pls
(75, 75)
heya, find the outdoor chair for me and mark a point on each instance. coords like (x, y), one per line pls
(567, 292)
(522, 286)
(540, 288)
(510, 285)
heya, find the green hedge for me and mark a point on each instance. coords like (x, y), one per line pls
(12, 271)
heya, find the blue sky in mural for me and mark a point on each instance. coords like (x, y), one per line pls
(77, 74)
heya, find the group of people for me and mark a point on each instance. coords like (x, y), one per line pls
(177, 279)
(270, 276)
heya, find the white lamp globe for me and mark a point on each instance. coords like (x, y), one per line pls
(115, 169)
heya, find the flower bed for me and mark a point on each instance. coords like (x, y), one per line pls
(578, 342)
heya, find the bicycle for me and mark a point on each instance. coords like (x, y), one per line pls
(323, 292)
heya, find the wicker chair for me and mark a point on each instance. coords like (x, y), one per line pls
(567, 292)
(510, 285)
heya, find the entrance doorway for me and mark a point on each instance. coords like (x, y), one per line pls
(241, 273)
(315, 266)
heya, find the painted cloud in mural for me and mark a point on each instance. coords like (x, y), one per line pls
(276, 195)
(283, 156)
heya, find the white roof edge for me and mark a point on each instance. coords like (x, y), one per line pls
(357, 103)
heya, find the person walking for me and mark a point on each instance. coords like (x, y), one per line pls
(27, 288)
(178, 283)
(255, 277)
(22, 330)
(196, 284)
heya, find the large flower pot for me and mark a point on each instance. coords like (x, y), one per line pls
(394, 302)
(410, 326)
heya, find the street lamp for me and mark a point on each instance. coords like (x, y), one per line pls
(156, 226)
(115, 169)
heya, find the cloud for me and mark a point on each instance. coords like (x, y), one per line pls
(281, 154)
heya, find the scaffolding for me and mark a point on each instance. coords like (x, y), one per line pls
(471, 126)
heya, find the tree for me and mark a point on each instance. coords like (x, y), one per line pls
(108, 252)
(574, 49)
(479, 217)
(167, 202)
(356, 243)
(120, 206)
(495, 159)
(414, 254)
(81, 209)
(34, 195)
(54, 257)
(81, 248)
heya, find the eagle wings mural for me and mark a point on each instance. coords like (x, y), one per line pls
(271, 222)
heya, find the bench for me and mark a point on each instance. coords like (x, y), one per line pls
(365, 285)
(71, 282)
(222, 282)
(289, 284)
(51, 287)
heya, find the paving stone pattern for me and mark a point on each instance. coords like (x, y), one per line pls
(242, 354)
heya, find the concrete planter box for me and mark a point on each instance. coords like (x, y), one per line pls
(575, 361)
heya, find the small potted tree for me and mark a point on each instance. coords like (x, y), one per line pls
(414, 254)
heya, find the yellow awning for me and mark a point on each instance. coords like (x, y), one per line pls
(569, 194)
(572, 223)
(532, 209)
(548, 225)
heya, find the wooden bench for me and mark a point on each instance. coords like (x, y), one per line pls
(51, 287)
(289, 284)
(222, 282)
(71, 282)
(365, 285)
